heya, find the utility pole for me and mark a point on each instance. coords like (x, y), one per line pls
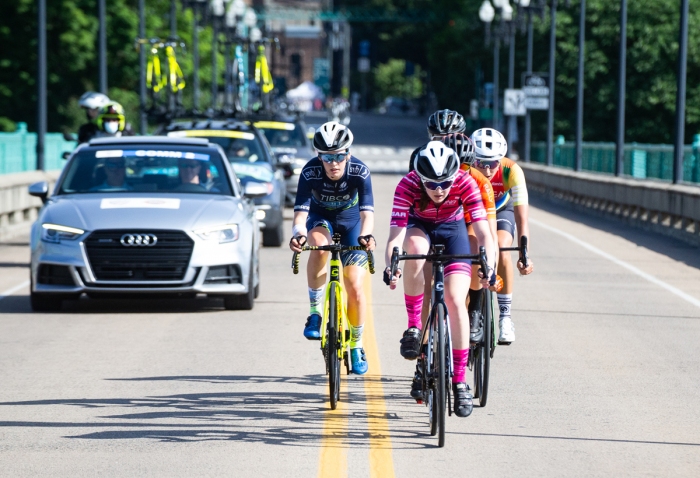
(528, 124)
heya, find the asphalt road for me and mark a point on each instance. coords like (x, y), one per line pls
(602, 379)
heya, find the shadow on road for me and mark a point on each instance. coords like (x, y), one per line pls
(270, 414)
(668, 246)
(19, 304)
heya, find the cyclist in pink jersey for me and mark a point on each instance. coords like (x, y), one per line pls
(429, 205)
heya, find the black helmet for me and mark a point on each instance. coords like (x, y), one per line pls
(332, 136)
(445, 122)
(436, 162)
(462, 145)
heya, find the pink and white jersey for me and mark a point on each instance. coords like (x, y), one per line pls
(464, 195)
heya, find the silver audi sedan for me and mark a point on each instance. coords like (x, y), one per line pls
(140, 216)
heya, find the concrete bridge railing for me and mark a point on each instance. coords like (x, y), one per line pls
(667, 208)
(17, 208)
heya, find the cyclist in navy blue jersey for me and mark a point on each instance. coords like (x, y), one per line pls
(335, 196)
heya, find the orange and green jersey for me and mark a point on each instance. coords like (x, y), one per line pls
(509, 182)
(487, 196)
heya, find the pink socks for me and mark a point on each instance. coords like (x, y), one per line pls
(414, 304)
(459, 363)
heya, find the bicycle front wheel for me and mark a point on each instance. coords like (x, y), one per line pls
(333, 347)
(438, 373)
(485, 348)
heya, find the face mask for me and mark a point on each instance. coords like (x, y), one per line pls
(111, 127)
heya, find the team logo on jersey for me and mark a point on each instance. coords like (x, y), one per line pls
(343, 185)
(313, 172)
(358, 170)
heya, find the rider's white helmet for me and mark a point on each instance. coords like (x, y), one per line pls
(489, 144)
(332, 136)
(436, 162)
(92, 100)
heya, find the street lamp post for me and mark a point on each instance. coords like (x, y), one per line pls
(579, 86)
(680, 95)
(143, 124)
(41, 85)
(486, 15)
(218, 10)
(552, 76)
(101, 13)
(620, 145)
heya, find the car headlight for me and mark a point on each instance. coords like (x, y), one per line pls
(55, 233)
(225, 233)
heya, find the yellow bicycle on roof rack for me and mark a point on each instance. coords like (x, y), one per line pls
(335, 336)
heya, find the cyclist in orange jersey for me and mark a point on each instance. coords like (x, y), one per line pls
(510, 191)
(464, 147)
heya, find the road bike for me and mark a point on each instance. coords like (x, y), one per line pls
(480, 354)
(335, 340)
(436, 356)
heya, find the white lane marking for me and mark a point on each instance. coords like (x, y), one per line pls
(14, 289)
(620, 263)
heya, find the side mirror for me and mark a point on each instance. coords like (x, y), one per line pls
(65, 154)
(69, 137)
(40, 190)
(254, 190)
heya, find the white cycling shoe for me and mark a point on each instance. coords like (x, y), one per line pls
(506, 334)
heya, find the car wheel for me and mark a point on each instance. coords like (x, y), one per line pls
(241, 301)
(273, 237)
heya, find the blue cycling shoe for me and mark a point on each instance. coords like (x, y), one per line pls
(312, 330)
(359, 361)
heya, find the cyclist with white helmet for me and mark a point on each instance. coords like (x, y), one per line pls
(510, 190)
(429, 205)
(91, 102)
(335, 196)
(464, 147)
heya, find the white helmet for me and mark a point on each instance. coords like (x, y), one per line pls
(436, 162)
(93, 100)
(332, 136)
(489, 144)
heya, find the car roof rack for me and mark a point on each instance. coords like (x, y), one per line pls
(149, 140)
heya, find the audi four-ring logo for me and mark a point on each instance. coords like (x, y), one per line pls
(142, 240)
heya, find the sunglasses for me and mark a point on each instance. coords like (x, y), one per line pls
(432, 185)
(333, 158)
(484, 163)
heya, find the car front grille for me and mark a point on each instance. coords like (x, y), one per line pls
(166, 260)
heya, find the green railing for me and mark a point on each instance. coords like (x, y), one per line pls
(641, 160)
(18, 150)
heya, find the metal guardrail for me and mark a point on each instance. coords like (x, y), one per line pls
(18, 150)
(643, 161)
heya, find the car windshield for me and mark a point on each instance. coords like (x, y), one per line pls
(159, 168)
(259, 173)
(239, 146)
(282, 134)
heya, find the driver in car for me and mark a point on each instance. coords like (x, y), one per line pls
(189, 171)
(115, 176)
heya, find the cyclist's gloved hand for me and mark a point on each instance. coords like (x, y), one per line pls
(368, 241)
(297, 242)
(492, 280)
(389, 280)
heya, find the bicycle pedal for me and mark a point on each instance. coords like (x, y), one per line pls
(503, 343)
(419, 402)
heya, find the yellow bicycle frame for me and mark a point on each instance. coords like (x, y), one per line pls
(341, 312)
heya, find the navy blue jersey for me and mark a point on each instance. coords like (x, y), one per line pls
(344, 198)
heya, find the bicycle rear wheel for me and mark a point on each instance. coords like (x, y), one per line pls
(332, 344)
(485, 348)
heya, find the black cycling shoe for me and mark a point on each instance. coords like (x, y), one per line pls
(417, 384)
(463, 405)
(410, 343)
(476, 322)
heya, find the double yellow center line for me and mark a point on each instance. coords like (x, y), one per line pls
(334, 448)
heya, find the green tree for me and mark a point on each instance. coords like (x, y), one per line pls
(391, 80)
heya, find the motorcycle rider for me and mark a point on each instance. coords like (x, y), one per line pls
(91, 102)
